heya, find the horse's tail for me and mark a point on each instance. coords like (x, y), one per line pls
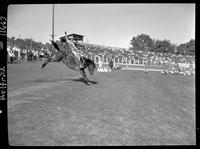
(91, 66)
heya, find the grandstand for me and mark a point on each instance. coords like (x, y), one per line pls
(76, 37)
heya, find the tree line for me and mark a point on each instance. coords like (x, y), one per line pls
(144, 43)
(27, 43)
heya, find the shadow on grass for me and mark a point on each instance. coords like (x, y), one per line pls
(66, 80)
(83, 81)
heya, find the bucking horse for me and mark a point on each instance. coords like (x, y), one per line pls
(65, 55)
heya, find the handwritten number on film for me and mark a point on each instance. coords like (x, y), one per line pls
(2, 83)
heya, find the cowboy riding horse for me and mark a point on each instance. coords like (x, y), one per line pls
(72, 58)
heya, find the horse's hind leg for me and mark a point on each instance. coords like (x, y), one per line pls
(84, 76)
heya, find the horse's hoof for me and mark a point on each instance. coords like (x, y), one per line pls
(87, 83)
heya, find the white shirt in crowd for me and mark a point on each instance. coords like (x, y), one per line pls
(100, 62)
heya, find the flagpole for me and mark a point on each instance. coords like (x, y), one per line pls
(52, 35)
(53, 24)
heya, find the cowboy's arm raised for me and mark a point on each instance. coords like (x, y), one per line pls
(66, 38)
(71, 44)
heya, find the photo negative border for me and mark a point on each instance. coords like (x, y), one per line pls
(3, 60)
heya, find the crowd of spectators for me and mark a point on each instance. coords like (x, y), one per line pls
(170, 63)
(16, 55)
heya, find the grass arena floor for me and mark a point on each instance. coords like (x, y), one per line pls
(51, 107)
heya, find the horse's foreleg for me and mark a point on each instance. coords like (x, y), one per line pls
(46, 62)
(50, 59)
